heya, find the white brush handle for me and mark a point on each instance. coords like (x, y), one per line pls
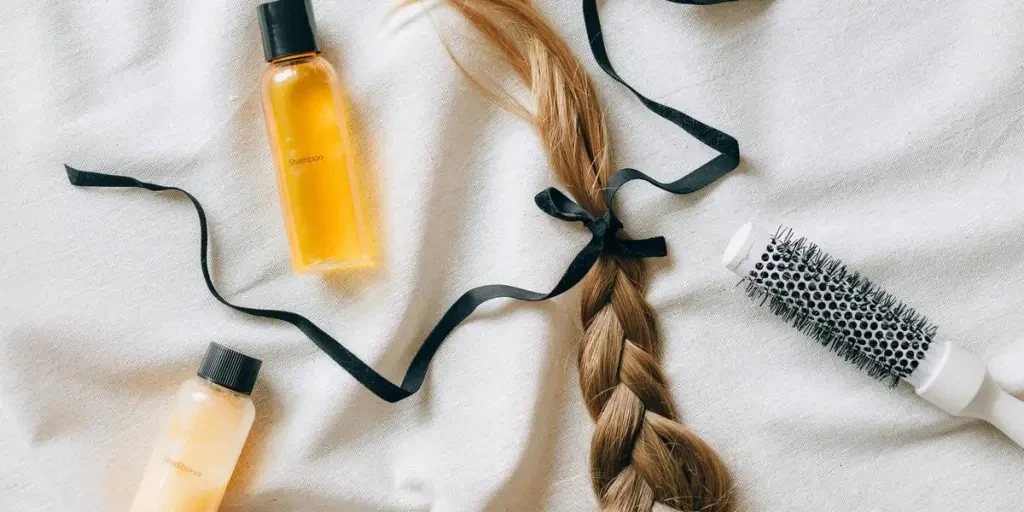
(959, 383)
(1004, 411)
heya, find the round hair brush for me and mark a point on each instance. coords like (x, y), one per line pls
(867, 326)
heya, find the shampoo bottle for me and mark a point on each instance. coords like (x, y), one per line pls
(194, 458)
(304, 109)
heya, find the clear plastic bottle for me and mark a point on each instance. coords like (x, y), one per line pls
(197, 452)
(303, 106)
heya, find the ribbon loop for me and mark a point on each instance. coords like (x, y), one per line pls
(556, 204)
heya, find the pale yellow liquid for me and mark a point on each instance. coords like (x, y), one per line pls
(196, 455)
(316, 178)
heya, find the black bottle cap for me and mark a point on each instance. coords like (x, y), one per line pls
(288, 28)
(233, 370)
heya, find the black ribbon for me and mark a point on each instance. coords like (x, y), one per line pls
(553, 202)
(720, 141)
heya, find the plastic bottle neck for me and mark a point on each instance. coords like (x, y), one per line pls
(296, 56)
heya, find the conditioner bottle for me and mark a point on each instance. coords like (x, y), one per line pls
(197, 452)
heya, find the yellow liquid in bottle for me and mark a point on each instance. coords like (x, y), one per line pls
(316, 177)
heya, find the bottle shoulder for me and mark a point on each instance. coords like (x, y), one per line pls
(300, 69)
(201, 391)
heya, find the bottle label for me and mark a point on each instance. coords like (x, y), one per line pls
(183, 469)
(305, 160)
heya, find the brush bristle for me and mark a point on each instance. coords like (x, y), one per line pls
(845, 312)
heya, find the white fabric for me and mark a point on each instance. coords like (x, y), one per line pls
(888, 132)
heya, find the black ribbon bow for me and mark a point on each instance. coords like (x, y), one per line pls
(556, 204)
(551, 201)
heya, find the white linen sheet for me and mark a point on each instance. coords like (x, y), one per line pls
(888, 132)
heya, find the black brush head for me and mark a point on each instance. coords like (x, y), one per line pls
(842, 310)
